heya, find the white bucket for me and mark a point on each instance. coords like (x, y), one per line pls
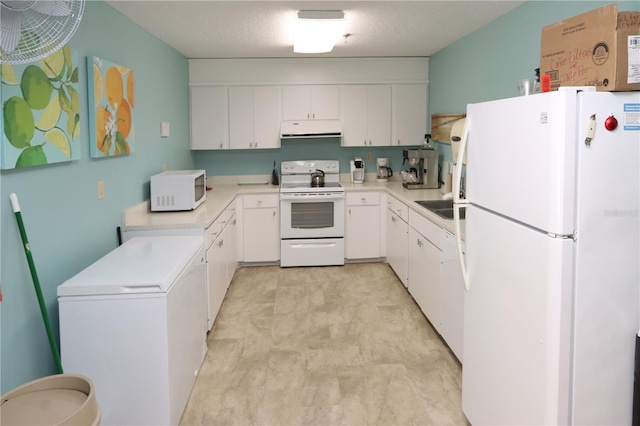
(63, 399)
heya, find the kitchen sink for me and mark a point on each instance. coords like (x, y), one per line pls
(443, 208)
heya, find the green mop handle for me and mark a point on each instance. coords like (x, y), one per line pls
(36, 282)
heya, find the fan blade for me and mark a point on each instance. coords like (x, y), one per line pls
(9, 30)
(17, 5)
(52, 7)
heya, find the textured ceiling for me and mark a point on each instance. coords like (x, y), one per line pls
(264, 29)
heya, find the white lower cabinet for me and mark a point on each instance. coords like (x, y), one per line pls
(425, 259)
(397, 233)
(363, 225)
(221, 260)
(435, 279)
(216, 277)
(261, 228)
(424, 276)
(451, 295)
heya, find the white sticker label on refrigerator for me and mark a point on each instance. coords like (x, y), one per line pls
(631, 117)
(544, 118)
(633, 53)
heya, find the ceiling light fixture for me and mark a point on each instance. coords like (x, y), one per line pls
(317, 31)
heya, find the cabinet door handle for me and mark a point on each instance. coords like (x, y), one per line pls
(398, 141)
(274, 213)
(349, 212)
(365, 142)
(308, 115)
(220, 146)
(393, 219)
(314, 115)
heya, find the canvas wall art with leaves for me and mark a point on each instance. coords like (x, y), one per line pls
(111, 104)
(41, 111)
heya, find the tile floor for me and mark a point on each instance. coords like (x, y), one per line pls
(324, 346)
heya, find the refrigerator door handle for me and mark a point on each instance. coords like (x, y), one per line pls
(459, 202)
(463, 268)
(457, 172)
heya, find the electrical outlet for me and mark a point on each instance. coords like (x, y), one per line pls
(368, 156)
(100, 189)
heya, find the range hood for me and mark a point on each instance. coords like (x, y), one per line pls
(310, 129)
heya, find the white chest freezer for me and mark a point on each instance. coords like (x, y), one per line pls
(135, 323)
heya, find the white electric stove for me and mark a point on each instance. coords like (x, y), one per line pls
(311, 217)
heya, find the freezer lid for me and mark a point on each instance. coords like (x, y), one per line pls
(141, 265)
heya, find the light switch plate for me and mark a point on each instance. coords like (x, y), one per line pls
(164, 129)
(100, 189)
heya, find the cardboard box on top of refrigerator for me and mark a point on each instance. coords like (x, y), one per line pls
(598, 48)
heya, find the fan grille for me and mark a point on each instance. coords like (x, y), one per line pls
(42, 34)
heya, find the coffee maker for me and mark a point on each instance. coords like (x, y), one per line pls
(357, 170)
(383, 171)
(424, 167)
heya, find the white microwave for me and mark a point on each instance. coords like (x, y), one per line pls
(178, 190)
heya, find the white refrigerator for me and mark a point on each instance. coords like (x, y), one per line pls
(552, 254)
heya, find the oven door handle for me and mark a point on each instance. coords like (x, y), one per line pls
(311, 197)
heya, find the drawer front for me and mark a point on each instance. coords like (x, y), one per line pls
(426, 228)
(258, 201)
(398, 207)
(363, 198)
(214, 231)
(218, 225)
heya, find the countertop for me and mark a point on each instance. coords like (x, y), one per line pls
(225, 189)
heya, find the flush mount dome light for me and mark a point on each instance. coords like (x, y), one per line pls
(317, 31)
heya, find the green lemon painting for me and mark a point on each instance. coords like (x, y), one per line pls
(40, 111)
(111, 104)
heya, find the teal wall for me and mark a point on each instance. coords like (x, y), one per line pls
(486, 64)
(68, 227)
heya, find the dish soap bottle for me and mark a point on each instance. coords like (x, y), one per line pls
(274, 175)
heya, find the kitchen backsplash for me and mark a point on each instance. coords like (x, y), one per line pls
(258, 162)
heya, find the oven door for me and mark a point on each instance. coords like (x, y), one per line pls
(312, 215)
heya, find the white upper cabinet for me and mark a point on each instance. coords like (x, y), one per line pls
(254, 117)
(267, 116)
(209, 117)
(366, 115)
(409, 114)
(311, 102)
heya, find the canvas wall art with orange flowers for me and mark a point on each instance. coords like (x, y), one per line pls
(111, 106)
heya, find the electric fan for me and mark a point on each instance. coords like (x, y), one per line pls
(33, 29)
